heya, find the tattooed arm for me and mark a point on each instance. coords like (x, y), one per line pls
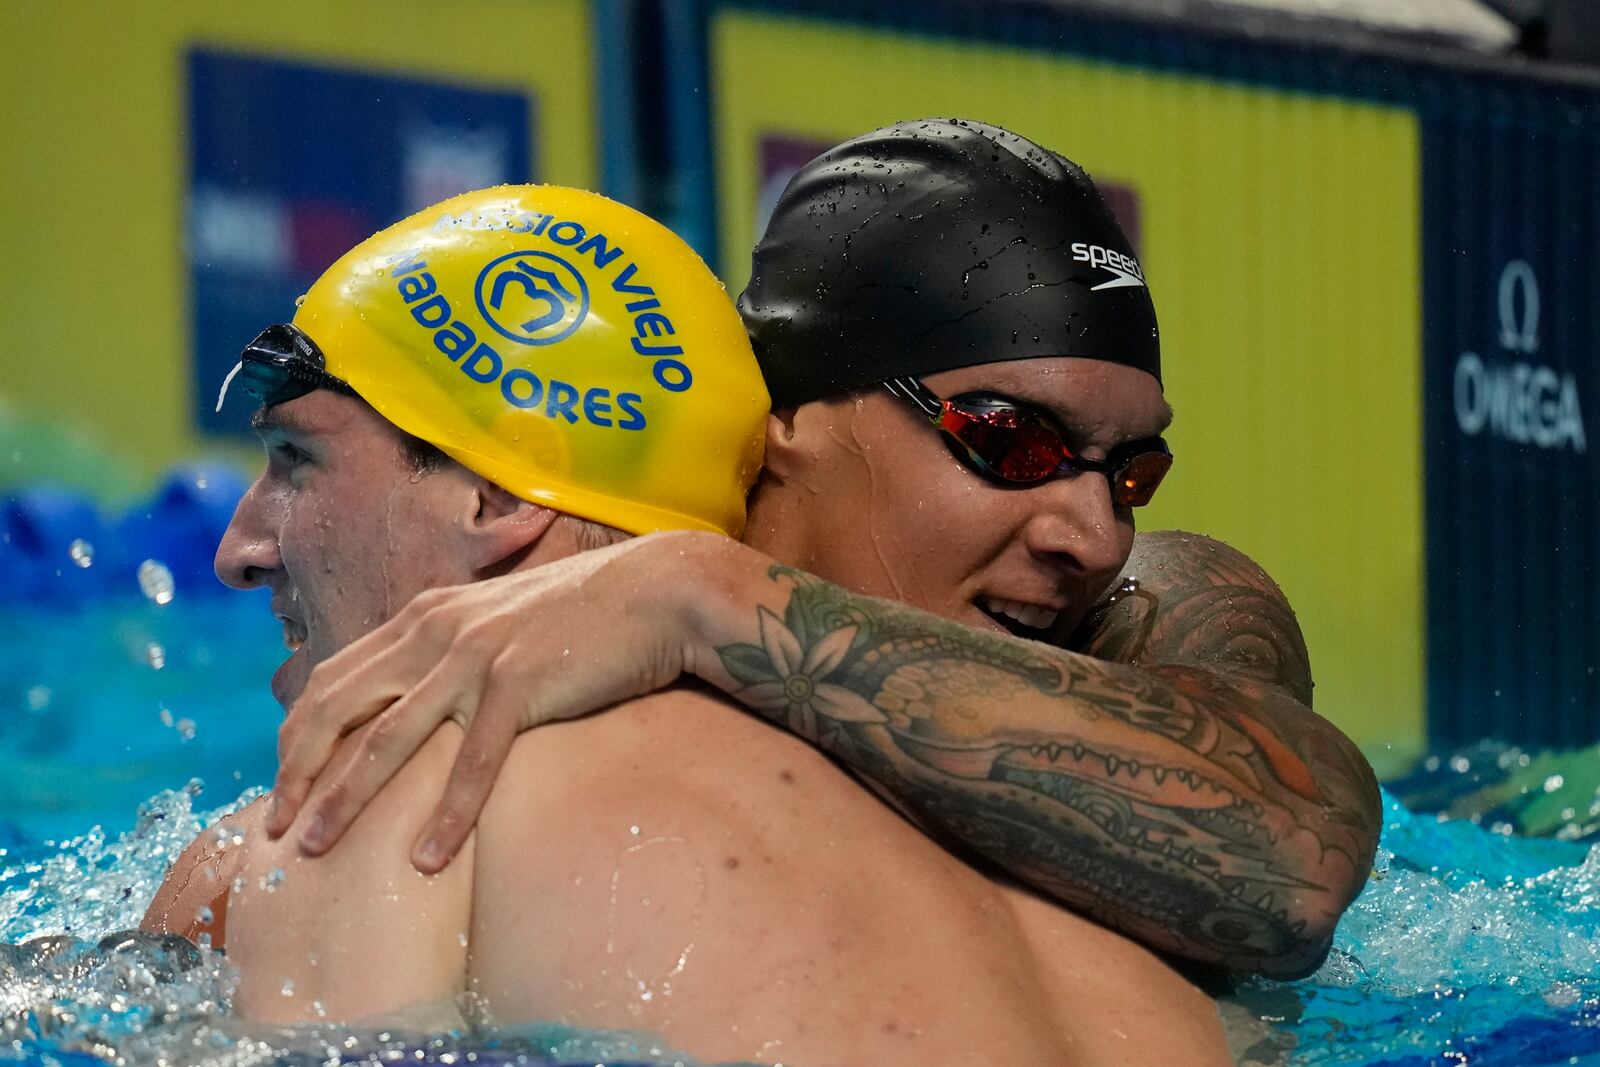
(1174, 784)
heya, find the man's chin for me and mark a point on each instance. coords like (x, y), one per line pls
(289, 680)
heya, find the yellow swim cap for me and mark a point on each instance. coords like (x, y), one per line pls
(569, 349)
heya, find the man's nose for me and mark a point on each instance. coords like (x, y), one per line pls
(248, 553)
(1074, 517)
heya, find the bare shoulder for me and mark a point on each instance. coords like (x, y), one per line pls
(661, 735)
(683, 749)
(1185, 599)
(192, 899)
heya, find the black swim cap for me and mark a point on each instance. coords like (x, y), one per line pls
(926, 246)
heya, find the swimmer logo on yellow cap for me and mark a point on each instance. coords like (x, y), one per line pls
(569, 349)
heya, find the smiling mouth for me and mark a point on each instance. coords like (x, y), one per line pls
(1025, 620)
(294, 633)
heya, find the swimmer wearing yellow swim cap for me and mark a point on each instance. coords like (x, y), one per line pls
(566, 347)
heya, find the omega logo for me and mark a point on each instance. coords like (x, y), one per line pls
(1518, 401)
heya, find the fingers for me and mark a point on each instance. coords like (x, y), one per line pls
(380, 750)
(483, 753)
(324, 714)
(346, 691)
(457, 633)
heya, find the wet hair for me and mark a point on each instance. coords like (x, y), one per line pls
(425, 458)
(592, 535)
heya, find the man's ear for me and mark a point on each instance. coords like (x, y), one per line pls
(781, 459)
(501, 528)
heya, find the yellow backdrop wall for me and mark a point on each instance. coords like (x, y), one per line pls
(1280, 234)
(92, 103)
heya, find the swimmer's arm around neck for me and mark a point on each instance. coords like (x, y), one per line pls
(1190, 801)
(1184, 822)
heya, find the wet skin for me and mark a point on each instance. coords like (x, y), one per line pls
(338, 503)
(1173, 784)
(862, 491)
(710, 785)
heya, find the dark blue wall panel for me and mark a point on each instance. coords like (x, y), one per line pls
(1511, 242)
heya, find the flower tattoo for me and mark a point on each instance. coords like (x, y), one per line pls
(789, 682)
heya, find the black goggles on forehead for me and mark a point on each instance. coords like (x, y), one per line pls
(1015, 444)
(281, 364)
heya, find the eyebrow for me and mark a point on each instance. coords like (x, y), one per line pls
(1164, 423)
(265, 421)
(1072, 421)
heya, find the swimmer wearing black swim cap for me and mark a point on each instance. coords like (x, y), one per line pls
(931, 245)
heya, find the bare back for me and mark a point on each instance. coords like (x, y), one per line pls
(679, 867)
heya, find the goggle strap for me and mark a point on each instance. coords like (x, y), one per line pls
(222, 394)
(918, 394)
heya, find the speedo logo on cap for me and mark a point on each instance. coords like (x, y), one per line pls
(1125, 270)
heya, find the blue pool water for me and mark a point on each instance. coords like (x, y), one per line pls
(128, 724)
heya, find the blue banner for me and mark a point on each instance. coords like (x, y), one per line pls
(293, 164)
(1511, 287)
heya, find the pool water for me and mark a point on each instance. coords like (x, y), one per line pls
(130, 724)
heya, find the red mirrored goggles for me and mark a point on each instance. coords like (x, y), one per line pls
(1016, 444)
